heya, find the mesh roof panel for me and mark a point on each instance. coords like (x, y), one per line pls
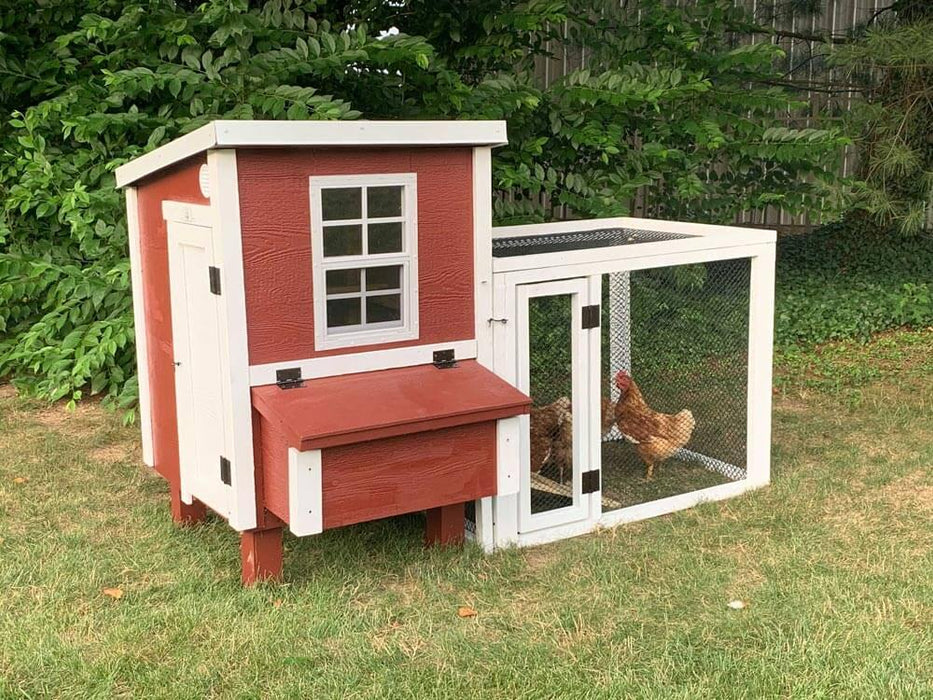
(578, 240)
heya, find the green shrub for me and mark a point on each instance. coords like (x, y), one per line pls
(850, 280)
(670, 103)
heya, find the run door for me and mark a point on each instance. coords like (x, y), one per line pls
(555, 326)
(204, 471)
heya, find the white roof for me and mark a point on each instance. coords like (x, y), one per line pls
(234, 134)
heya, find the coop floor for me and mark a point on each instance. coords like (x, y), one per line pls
(832, 562)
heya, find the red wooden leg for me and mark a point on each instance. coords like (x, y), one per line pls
(444, 525)
(182, 513)
(261, 555)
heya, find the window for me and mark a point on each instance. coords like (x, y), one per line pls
(364, 247)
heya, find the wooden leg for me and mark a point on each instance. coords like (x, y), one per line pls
(261, 555)
(444, 525)
(182, 513)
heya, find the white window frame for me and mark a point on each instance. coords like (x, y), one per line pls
(328, 339)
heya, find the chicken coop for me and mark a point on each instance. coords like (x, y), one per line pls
(645, 347)
(329, 331)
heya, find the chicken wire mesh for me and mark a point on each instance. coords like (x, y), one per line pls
(674, 380)
(550, 381)
(577, 240)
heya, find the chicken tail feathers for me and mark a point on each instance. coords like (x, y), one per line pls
(685, 423)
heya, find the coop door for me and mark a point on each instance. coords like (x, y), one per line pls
(553, 366)
(198, 383)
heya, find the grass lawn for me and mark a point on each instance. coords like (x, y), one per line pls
(834, 562)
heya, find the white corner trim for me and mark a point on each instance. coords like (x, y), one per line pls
(228, 247)
(354, 363)
(233, 134)
(508, 455)
(305, 492)
(139, 326)
(324, 339)
(482, 253)
(187, 213)
(760, 361)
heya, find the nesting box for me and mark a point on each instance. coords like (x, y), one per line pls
(309, 301)
(330, 330)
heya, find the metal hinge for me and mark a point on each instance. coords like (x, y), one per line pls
(225, 470)
(591, 316)
(289, 378)
(444, 359)
(590, 481)
(213, 274)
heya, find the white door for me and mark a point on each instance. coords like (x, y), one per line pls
(198, 386)
(554, 357)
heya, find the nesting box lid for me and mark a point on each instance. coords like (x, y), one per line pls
(355, 408)
(270, 133)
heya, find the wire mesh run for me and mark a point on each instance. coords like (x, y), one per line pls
(578, 240)
(551, 434)
(674, 388)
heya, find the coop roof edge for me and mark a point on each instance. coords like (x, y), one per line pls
(270, 133)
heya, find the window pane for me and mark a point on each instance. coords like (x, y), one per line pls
(383, 277)
(385, 238)
(384, 201)
(384, 308)
(343, 312)
(343, 281)
(343, 240)
(341, 203)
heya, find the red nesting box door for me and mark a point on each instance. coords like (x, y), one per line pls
(388, 442)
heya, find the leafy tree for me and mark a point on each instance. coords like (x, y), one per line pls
(670, 104)
(894, 60)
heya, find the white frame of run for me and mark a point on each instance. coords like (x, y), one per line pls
(707, 243)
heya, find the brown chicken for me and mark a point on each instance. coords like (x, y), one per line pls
(656, 436)
(551, 435)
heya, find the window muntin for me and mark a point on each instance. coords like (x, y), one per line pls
(364, 247)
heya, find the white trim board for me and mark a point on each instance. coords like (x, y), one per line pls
(482, 253)
(305, 492)
(139, 326)
(582, 263)
(356, 362)
(228, 247)
(743, 234)
(641, 511)
(265, 133)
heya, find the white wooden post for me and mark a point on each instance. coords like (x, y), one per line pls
(760, 344)
(483, 305)
(139, 325)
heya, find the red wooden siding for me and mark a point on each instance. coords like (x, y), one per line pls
(409, 473)
(381, 478)
(276, 231)
(180, 184)
(273, 456)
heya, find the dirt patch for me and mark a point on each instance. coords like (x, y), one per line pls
(81, 421)
(539, 558)
(408, 589)
(7, 391)
(912, 493)
(111, 454)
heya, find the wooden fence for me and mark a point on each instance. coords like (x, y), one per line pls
(803, 39)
